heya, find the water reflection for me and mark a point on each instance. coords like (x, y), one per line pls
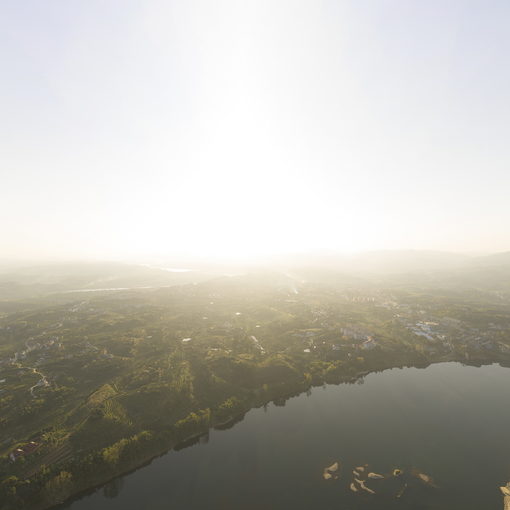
(112, 489)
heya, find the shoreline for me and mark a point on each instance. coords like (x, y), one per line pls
(230, 421)
(192, 439)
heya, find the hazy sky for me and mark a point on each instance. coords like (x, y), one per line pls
(131, 128)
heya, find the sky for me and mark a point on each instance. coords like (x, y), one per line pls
(131, 129)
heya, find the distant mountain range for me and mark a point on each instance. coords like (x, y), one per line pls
(430, 268)
(30, 281)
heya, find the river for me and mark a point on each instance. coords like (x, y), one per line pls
(449, 421)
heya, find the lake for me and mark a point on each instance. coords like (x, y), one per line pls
(449, 421)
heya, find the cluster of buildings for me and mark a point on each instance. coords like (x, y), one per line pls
(448, 332)
(41, 344)
(358, 340)
(23, 451)
(362, 338)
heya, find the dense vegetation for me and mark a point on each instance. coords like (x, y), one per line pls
(103, 382)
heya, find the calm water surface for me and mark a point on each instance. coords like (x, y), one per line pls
(449, 421)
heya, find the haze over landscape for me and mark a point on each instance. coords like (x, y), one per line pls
(254, 255)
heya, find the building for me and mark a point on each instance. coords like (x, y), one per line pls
(24, 450)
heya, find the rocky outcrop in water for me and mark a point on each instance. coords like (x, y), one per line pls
(506, 496)
(331, 471)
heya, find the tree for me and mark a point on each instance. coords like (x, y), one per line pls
(58, 488)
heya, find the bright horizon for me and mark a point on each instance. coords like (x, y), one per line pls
(243, 129)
